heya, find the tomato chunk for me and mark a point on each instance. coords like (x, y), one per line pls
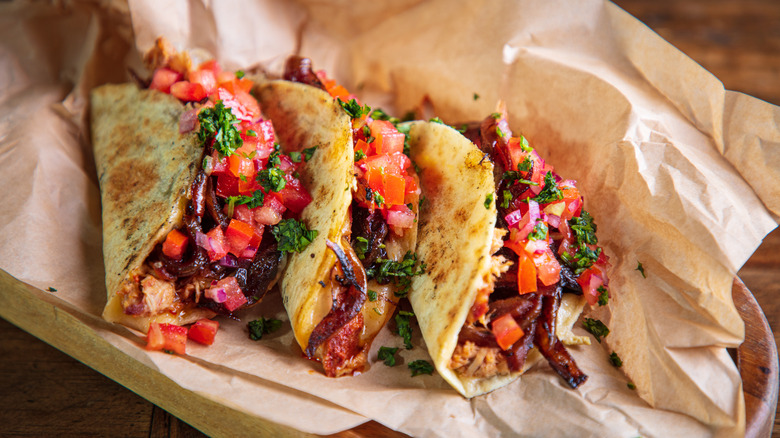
(188, 92)
(506, 330)
(166, 337)
(175, 244)
(235, 298)
(163, 79)
(203, 331)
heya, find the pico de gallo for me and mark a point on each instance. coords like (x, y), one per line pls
(545, 245)
(373, 255)
(243, 209)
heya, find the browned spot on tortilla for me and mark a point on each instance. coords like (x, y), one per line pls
(129, 179)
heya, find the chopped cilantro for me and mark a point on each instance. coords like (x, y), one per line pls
(524, 144)
(404, 129)
(615, 360)
(354, 109)
(387, 355)
(550, 192)
(507, 198)
(262, 326)
(421, 202)
(219, 123)
(585, 231)
(271, 179)
(240, 74)
(256, 200)
(596, 328)
(462, 128)
(359, 155)
(403, 324)
(631, 386)
(603, 296)
(379, 199)
(526, 164)
(361, 246)
(500, 133)
(251, 133)
(309, 152)
(51, 289)
(496, 115)
(398, 273)
(295, 156)
(476, 96)
(437, 120)
(372, 295)
(242, 177)
(380, 114)
(488, 200)
(292, 235)
(539, 232)
(641, 269)
(421, 367)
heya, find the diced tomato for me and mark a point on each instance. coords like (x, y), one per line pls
(239, 165)
(227, 186)
(394, 189)
(235, 298)
(526, 274)
(167, 337)
(547, 267)
(387, 138)
(589, 281)
(294, 196)
(366, 148)
(188, 92)
(242, 213)
(506, 330)
(251, 249)
(241, 104)
(175, 244)
(218, 247)
(203, 331)
(271, 211)
(213, 66)
(163, 79)
(206, 79)
(238, 235)
(400, 161)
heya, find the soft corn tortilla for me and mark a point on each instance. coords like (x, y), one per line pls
(145, 168)
(456, 232)
(305, 117)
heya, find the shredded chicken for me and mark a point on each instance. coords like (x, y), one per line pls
(470, 360)
(163, 54)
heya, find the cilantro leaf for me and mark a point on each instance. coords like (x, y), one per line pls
(361, 246)
(596, 328)
(488, 200)
(271, 179)
(421, 367)
(292, 235)
(550, 192)
(387, 354)
(398, 273)
(256, 200)
(262, 326)
(380, 114)
(51, 289)
(372, 295)
(403, 324)
(354, 109)
(585, 231)
(359, 155)
(476, 96)
(615, 360)
(641, 269)
(240, 74)
(309, 152)
(507, 198)
(379, 199)
(219, 123)
(437, 120)
(603, 296)
(631, 386)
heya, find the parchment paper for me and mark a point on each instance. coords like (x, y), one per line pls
(680, 175)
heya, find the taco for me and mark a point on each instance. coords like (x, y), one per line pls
(511, 257)
(345, 287)
(199, 205)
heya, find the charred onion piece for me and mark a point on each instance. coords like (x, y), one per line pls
(497, 145)
(298, 69)
(184, 268)
(529, 312)
(213, 205)
(369, 225)
(552, 348)
(261, 274)
(198, 191)
(347, 300)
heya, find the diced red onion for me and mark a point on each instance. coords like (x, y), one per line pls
(229, 261)
(188, 121)
(400, 219)
(217, 294)
(574, 205)
(513, 218)
(536, 247)
(553, 220)
(202, 240)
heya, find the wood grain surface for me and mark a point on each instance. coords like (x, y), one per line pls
(44, 392)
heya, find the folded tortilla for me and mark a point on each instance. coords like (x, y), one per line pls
(456, 234)
(306, 116)
(145, 168)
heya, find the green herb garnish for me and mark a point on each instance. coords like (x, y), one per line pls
(398, 273)
(354, 109)
(380, 114)
(488, 200)
(615, 360)
(403, 324)
(550, 192)
(421, 367)
(263, 326)
(476, 96)
(359, 155)
(641, 269)
(539, 232)
(240, 74)
(387, 355)
(219, 123)
(51, 289)
(631, 386)
(596, 328)
(292, 235)
(361, 246)
(437, 120)
(372, 295)
(603, 296)
(271, 179)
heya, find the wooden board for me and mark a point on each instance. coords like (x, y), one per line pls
(756, 358)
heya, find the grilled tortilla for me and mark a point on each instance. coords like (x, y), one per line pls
(456, 238)
(306, 116)
(145, 168)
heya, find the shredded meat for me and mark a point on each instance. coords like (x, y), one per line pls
(471, 360)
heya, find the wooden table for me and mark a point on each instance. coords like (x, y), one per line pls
(45, 392)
